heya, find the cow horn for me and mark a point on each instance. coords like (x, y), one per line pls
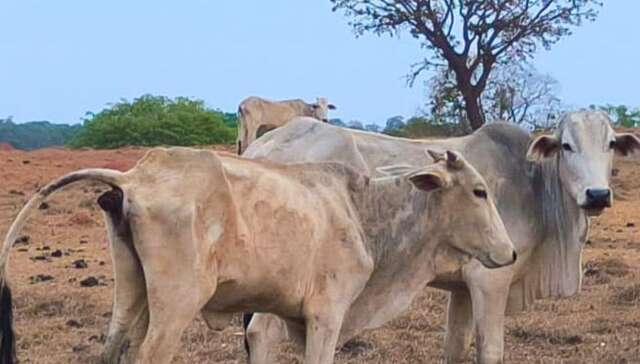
(453, 160)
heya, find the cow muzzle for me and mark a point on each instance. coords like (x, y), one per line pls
(596, 200)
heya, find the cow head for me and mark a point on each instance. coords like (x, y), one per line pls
(462, 209)
(320, 110)
(584, 144)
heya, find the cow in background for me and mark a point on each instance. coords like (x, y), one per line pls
(257, 116)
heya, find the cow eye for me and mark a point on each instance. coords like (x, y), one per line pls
(612, 144)
(567, 147)
(480, 193)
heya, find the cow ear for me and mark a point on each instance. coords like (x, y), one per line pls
(435, 155)
(543, 147)
(429, 180)
(395, 170)
(626, 143)
(331, 107)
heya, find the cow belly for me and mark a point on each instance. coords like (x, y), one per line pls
(232, 297)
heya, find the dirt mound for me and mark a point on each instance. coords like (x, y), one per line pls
(6, 146)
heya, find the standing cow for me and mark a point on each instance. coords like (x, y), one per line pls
(318, 244)
(545, 190)
(257, 116)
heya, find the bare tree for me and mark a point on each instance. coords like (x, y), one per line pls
(518, 93)
(446, 102)
(470, 37)
(515, 92)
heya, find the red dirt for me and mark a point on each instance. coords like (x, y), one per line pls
(5, 146)
(59, 321)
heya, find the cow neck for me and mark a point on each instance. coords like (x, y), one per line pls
(566, 228)
(395, 220)
(394, 217)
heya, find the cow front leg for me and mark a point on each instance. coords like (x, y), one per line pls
(322, 331)
(264, 333)
(459, 326)
(489, 299)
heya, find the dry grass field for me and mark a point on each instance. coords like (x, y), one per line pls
(62, 281)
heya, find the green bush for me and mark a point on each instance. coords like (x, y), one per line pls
(156, 120)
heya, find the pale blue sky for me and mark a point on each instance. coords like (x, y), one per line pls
(61, 58)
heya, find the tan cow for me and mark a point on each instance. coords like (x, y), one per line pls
(256, 116)
(316, 243)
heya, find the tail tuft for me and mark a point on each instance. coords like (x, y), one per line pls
(7, 336)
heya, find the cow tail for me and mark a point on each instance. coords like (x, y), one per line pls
(7, 336)
(241, 127)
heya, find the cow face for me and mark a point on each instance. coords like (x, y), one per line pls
(584, 144)
(462, 211)
(321, 109)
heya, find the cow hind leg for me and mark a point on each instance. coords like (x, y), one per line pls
(169, 316)
(263, 335)
(175, 294)
(129, 297)
(136, 335)
(459, 326)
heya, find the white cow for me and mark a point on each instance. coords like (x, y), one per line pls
(545, 191)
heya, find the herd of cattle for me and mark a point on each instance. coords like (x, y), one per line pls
(325, 232)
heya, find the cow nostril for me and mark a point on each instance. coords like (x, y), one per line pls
(515, 256)
(598, 194)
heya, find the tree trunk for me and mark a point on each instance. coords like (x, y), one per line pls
(470, 94)
(474, 111)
